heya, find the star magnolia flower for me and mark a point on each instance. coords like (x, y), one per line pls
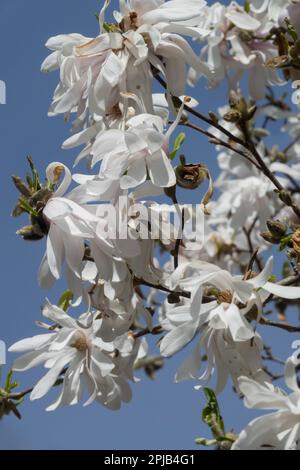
(235, 44)
(245, 199)
(275, 431)
(278, 10)
(74, 348)
(221, 323)
(71, 224)
(226, 338)
(96, 73)
(128, 157)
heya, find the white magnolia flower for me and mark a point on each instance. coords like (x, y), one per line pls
(245, 193)
(76, 350)
(279, 430)
(278, 10)
(128, 157)
(99, 77)
(236, 44)
(70, 225)
(245, 199)
(226, 338)
(225, 333)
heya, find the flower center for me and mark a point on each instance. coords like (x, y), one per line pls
(224, 297)
(81, 343)
(130, 22)
(133, 19)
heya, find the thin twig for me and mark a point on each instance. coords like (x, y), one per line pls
(187, 295)
(218, 141)
(291, 144)
(282, 326)
(246, 143)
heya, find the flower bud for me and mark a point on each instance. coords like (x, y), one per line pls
(41, 197)
(269, 238)
(232, 116)
(276, 228)
(213, 117)
(21, 186)
(191, 176)
(277, 62)
(7, 406)
(285, 197)
(30, 232)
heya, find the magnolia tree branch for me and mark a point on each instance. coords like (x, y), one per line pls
(247, 144)
(216, 141)
(221, 283)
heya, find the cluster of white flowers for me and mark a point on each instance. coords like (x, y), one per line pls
(125, 130)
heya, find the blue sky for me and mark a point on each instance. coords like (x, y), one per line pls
(162, 415)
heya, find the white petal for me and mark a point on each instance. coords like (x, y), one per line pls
(291, 376)
(239, 328)
(243, 20)
(55, 250)
(178, 338)
(31, 343)
(44, 385)
(57, 315)
(285, 292)
(261, 396)
(262, 278)
(190, 367)
(160, 170)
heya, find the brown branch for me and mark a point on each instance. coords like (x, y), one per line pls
(217, 141)
(246, 143)
(187, 295)
(282, 326)
(291, 144)
(202, 117)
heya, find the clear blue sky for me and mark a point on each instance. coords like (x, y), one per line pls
(162, 415)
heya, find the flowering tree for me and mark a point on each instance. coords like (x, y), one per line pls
(105, 230)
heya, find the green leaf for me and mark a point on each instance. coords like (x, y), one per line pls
(226, 439)
(177, 145)
(211, 413)
(109, 27)
(9, 384)
(65, 300)
(36, 185)
(285, 241)
(291, 29)
(24, 204)
(247, 6)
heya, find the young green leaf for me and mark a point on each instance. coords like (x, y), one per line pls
(177, 145)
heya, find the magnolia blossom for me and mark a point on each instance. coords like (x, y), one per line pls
(274, 431)
(130, 156)
(104, 229)
(70, 225)
(226, 333)
(230, 344)
(236, 43)
(99, 75)
(75, 348)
